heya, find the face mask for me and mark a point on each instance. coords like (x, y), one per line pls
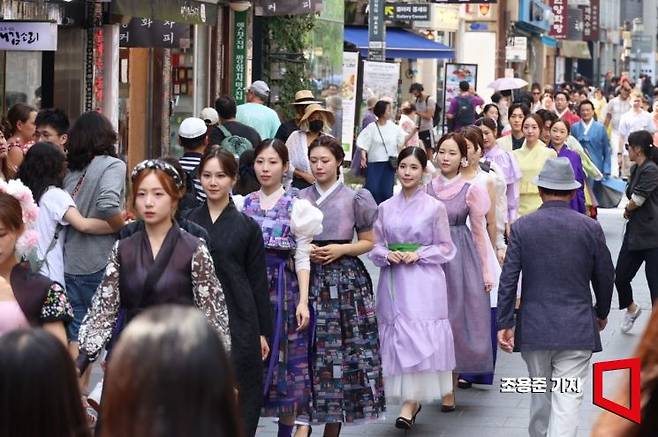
(315, 125)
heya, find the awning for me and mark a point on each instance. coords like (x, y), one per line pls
(549, 41)
(179, 11)
(400, 44)
(574, 49)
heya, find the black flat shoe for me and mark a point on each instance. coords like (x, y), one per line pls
(462, 383)
(406, 424)
(447, 408)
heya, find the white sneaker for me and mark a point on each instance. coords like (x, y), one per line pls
(629, 320)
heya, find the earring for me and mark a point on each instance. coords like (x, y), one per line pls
(464, 162)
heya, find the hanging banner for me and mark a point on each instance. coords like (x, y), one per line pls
(591, 21)
(380, 79)
(25, 35)
(145, 32)
(558, 29)
(238, 82)
(348, 96)
(455, 73)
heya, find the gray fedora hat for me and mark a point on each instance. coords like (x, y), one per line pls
(557, 174)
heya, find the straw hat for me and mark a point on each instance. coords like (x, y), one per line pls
(314, 107)
(304, 97)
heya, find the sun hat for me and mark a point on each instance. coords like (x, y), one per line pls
(304, 97)
(314, 107)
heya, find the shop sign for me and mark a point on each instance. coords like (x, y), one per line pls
(460, 2)
(240, 57)
(560, 15)
(30, 36)
(286, 7)
(376, 31)
(591, 21)
(146, 32)
(516, 49)
(535, 14)
(407, 11)
(180, 11)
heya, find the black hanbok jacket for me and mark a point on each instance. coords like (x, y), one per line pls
(236, 246)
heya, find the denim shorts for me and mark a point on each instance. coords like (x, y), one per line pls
(80, 290)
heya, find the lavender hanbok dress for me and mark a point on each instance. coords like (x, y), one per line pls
(416, 338)
(468, 302)
(346, 367)
(512, 174)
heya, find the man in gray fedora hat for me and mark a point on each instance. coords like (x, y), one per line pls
(559, 253)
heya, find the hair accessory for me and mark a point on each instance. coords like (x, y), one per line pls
(27, 242)
(158, 164)
(464, 162)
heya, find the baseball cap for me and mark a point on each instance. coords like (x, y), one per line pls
(260, 88)
(192, 127)
(209, 115)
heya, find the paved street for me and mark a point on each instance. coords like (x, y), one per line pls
(484, 411)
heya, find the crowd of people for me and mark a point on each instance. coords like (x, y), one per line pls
(228, 284)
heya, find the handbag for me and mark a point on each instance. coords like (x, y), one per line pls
(392, 160)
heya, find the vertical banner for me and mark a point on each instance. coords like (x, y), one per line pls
(558, 29)
(376, 31)
(348, 96)
(238, 83)
(380, 79)
(591, 21)
(455, 73)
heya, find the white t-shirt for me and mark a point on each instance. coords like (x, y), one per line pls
(617, 107)
(378, 150)
(633, 122)
(52, 206)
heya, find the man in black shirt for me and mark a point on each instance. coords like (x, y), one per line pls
(303, 98)
(226, 108)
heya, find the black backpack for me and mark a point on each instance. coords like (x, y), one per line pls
(465, 115)
(436, 118)
(190, 200)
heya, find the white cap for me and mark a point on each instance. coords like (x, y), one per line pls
(209, 115)
(192, 127)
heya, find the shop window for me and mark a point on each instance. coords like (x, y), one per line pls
(22, 79)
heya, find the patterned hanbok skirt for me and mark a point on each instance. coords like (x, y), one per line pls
(346, 369)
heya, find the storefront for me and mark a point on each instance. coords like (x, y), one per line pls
(533, 23)
(170, 67)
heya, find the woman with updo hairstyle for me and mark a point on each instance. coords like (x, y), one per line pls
(288, 225)
(19, 127)
(640, 244)
(341, 294)
(488, 176)
(508, 166)
(531, 158)
(469, 278)
(158, 264)
(236, 246)
(412, 244)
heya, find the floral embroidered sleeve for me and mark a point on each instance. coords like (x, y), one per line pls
(56, 307)
(98, 324)
(208, 293)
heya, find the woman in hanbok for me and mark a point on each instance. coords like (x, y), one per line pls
(236, 246)
(493, 181)
(346, 369)
(531, 158)
(468, 277)
(160, 264)
(560, 130)
(26, 298)
(507, 164)
(288, 225)
(412, 242)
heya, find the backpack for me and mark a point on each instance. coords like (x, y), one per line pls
(234, 144)
(436, 118)
(190, 200)
(465, 115)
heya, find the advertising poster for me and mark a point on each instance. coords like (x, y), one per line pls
(348, 97)
(455, 73)
(380, 79)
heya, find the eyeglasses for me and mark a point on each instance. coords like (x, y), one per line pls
(536, 93)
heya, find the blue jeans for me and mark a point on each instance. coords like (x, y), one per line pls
(80, 290)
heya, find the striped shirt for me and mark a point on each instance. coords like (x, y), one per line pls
(190, 162)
